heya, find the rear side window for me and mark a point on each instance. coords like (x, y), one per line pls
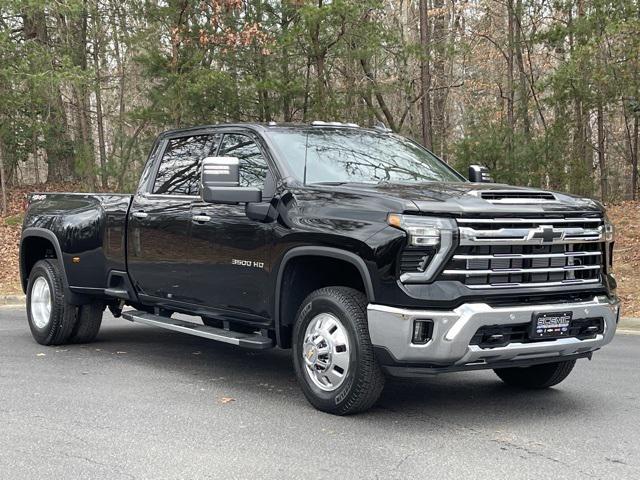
(253, 165)
(179, 169)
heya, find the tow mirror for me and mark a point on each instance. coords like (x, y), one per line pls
(220, 182)
(479, 174)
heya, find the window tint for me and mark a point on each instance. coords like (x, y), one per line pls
(253, 166)
(179, 170)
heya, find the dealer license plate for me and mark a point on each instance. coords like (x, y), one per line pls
(551, 324)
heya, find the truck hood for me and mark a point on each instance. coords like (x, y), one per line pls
(466, 198)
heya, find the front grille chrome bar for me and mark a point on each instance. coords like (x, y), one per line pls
(515, 271)
(561, 283)
(544, 234)
(517, 256)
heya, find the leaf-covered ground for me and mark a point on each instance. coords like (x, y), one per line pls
(625, 216)
(626, 255)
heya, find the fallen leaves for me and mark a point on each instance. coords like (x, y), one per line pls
(626, 255)
(225, 400)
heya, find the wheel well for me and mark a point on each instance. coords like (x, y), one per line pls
(305, 274)
(32, 250)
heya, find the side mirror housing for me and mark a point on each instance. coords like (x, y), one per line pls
(479, 174)
(220, 182)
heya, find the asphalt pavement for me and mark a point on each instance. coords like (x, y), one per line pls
(151, 404)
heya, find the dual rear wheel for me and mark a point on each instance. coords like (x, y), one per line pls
(52, 320)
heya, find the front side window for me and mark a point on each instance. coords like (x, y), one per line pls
(253, 165)
(345, 155)
(179, 170)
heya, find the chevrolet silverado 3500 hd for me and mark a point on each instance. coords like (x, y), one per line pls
(355, 247)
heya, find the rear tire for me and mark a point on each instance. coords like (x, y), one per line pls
(332, 352)
(537, 376)
(51, 318)
(88, 324)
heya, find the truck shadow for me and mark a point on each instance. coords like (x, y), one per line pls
(469, 398)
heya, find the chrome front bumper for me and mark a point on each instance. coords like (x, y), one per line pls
(391, 329)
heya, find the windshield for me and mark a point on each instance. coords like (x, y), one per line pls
(344, 155)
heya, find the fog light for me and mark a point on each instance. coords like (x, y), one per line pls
(422, 331)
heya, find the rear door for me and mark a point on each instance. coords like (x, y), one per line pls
(160, 219)
(230, 252)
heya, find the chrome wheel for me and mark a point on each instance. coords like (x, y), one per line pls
(40, 302)
(325, 352)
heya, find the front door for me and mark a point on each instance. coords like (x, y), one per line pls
(230, 252)
(160, 221)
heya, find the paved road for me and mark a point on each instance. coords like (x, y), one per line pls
(144, 403)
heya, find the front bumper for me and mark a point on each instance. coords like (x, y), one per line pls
(449, 348)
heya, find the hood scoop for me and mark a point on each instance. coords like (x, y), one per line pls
(517, 197)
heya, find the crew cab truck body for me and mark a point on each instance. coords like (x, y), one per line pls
(355, 247)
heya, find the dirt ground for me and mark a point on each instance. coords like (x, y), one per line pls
(625, 216)
(626, 255)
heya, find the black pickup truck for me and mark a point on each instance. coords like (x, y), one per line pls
(355, 247)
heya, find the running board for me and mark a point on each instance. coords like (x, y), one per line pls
(246, 340)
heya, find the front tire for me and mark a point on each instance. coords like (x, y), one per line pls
(537, 376)
(51, 318)
(332, 352)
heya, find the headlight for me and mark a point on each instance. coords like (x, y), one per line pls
(422, 231)
(432, 237)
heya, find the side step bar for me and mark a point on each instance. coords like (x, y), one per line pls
(246, 340)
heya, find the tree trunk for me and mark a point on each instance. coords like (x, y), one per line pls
(510, 80)
(98, 92)
(115, 35)
(388, 115)
(77, 34)
(284, 66)
(601, 155)
(439, 51)
(58, 148)
(583, 176)
(523, 105)
(425, 75)
(634, 160)
(3, 188)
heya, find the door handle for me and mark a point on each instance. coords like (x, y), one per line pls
(140, 214)
(201, 218)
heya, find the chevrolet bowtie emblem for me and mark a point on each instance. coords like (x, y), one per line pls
(545, 234)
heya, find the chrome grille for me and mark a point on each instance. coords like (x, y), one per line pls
(525, 252)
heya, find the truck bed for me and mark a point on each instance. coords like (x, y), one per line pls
(91, 232)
